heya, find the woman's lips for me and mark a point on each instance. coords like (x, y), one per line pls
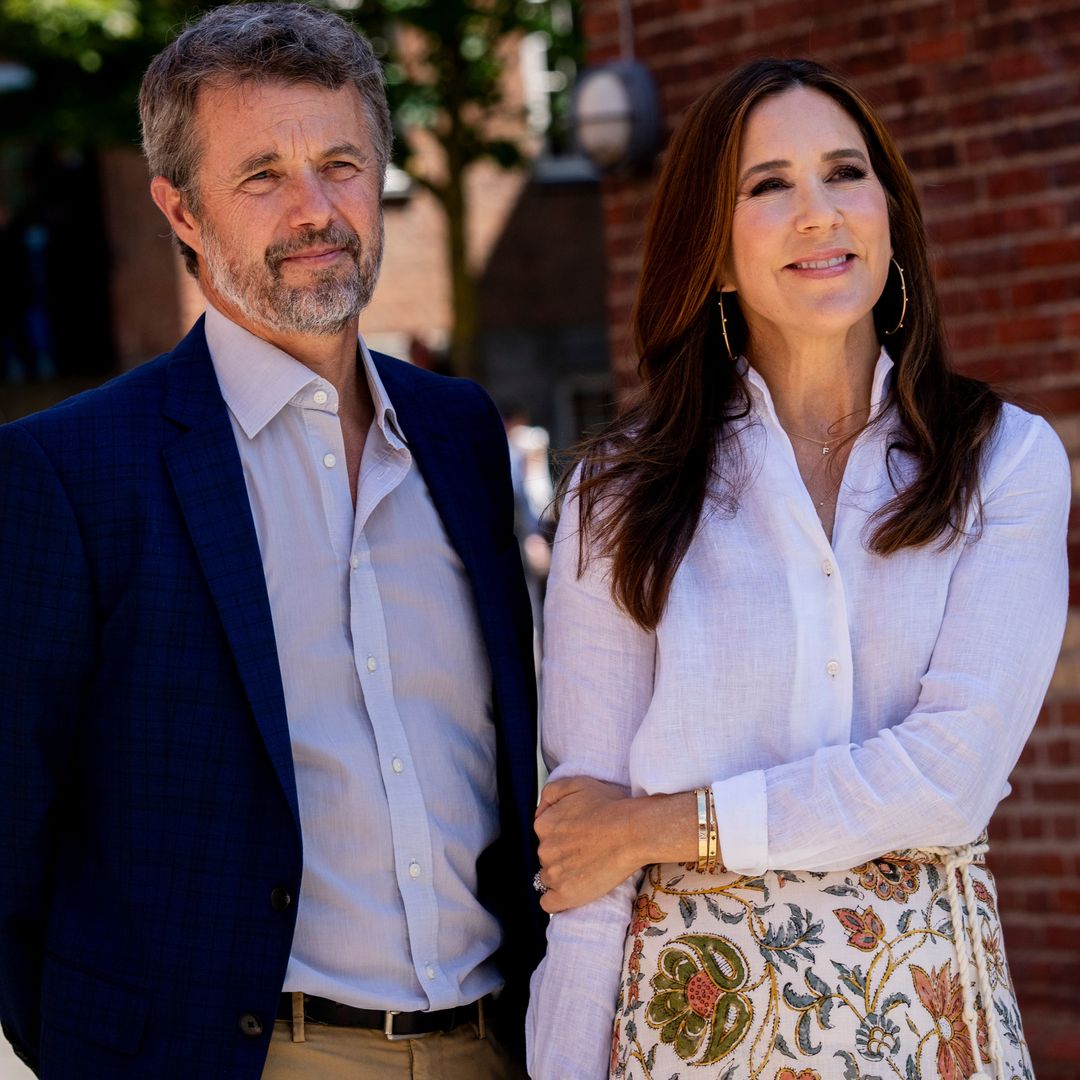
(822, 266)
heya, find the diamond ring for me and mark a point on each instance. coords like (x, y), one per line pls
(538, 885)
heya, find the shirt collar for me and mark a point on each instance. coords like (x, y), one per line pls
(879, 391)
(258, 380)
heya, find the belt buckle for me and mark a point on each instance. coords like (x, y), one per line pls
(388, 1028)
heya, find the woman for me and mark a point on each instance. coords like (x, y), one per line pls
(805, 601)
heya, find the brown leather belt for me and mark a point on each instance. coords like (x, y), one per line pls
(394, 1025)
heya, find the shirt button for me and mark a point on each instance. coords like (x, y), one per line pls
(329, 460)
(372, 663)
(414, 870)
(354, 562)
(827, 568)
(320, 397)
(430, 970)
(833, 668)
(397, 765)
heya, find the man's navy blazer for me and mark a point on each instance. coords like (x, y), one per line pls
(150, 849)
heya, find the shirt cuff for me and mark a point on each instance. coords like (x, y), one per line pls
(742, 818)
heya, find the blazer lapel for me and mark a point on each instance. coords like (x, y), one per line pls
(204, 466)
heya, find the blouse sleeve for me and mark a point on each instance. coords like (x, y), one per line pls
(597, 684)
(935, 778)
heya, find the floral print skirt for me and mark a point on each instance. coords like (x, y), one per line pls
(810, 976)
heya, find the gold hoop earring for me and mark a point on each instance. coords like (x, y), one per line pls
(903, 294)
(723, 329)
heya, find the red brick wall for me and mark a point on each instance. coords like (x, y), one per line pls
(984, 97)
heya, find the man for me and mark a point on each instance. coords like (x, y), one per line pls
(265, 658)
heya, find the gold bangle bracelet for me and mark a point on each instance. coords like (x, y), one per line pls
(714, 836)
(702, 827)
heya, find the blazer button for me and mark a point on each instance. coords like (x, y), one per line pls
(280, 899)
(251, 1025)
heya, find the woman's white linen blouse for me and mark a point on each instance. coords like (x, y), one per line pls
(841, 704)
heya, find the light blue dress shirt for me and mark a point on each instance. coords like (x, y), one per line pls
(387, 688)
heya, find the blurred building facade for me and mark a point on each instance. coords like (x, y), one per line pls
(113, 292)
(984, 99)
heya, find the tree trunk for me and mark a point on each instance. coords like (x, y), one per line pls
(463, 358)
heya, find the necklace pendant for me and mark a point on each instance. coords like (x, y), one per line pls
(824, 451)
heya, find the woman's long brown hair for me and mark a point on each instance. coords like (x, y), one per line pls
(645, 479)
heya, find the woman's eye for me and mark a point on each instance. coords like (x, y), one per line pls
(766, 186)
(849, 172)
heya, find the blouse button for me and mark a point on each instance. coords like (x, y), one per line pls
(833, 668)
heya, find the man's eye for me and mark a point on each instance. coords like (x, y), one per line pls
(263, 175)
(342, 166)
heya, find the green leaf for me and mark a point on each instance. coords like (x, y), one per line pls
(816, 983)
(678, 965)
(666, 1007)
(720, 959)
(731, 1018)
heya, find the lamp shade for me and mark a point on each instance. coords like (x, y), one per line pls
(616, 115)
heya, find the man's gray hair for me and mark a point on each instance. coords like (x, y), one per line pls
(251, 43)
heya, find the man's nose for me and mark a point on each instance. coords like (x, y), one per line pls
(309, 201)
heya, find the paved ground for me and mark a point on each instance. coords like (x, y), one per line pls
(10, 1066)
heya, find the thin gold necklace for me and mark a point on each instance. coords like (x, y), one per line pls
(825, 446)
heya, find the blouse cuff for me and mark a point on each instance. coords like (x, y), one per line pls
(743, 822)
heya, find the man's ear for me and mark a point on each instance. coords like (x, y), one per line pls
(170, 201)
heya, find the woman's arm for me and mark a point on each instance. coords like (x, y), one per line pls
(597, 685)
(592, 836)
(936, 777)
(933, 779)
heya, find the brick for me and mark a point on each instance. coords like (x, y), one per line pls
(1051, 252)
(1022, 330)
(1017, 181)
(1068, 713)
(935, 49)
(1057, 791)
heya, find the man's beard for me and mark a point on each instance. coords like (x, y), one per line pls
(330, 300)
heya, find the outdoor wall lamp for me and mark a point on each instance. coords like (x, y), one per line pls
(616, 116)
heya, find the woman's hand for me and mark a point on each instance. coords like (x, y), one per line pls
(582, 825)
(593, 836)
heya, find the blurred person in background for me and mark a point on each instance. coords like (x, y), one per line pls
(530, 475)
(268, 768)
(806, 598)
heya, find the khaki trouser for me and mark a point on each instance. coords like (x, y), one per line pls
(329, 1053)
